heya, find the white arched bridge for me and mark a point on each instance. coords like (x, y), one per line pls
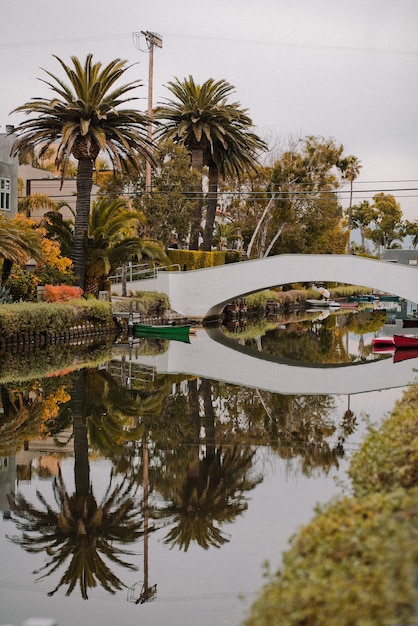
(203, 293)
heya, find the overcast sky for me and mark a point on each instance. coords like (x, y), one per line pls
(332, 68)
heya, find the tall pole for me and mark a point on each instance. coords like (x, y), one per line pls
(153, 41)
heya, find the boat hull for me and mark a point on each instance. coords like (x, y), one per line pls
(323, 304)
(405, 341)
(176, 333)
(410, 323)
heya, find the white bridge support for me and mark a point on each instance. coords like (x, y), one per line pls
(204, 293)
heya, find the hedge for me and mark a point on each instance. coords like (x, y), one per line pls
(198, 259)
(44, 317)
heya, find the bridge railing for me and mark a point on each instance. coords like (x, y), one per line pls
(142, 272)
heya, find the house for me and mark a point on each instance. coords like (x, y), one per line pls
(398, 255)
(37, 181)
(8, 176)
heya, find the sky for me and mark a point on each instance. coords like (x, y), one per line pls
(300, 67)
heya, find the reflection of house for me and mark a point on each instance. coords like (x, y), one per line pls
(8, 176)
(37, 181)
(404, 257)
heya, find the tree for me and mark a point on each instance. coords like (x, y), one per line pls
(171, 204)
(85, 117)
(350, 167)
(18, 243)
(361, 217)
(216, 133)
(300, 181)
(386, 225)
(112, 239)
(410, 229)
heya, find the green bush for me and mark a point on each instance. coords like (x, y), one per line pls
(44, 317)
(196, 259)
(22, 285)
(146, 303)
(356, 561)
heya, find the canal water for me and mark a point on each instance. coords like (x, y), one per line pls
(156, 482)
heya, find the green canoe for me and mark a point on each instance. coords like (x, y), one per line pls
(178, 333)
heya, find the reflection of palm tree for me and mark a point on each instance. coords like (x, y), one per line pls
(212, 492)
(81, 530)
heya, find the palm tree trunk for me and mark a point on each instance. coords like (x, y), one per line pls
(81, 446)
(84, 187)
(206, 389)
(194, 406)
(211, 207)
(7, 268)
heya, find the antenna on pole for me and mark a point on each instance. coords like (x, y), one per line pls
(153, 40)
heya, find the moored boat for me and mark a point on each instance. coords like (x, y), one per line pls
(383, 342)
(163, 331)
(405, 341)
(403, 355)
(410, 322)
(323, 304)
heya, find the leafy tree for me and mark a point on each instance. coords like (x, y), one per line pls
(410, 229)
(301, 180)
(171, 204)
(386, 225)
(216, 132)
(85, 117)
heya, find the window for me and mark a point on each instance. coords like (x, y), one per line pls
(5, 194)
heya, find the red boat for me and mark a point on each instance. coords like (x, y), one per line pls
(403, 355)
(405, 341)
(383, 342)
(410, 322)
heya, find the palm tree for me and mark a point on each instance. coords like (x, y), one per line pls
(111, 239)
(351, 170)
(18, 243)
(84, 117)
(216, 133)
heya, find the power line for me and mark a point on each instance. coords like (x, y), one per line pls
(234, 40)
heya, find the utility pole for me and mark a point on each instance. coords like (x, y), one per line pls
(153, 40)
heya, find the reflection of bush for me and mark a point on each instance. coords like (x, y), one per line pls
(363, 322)
(49, 359)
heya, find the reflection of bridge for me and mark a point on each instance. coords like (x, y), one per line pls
(214, 356)
(203, 293)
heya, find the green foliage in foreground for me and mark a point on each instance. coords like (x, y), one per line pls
(44, 317)
(356, 562)
(388, 458)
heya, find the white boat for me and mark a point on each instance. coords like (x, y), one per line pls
(323, 304)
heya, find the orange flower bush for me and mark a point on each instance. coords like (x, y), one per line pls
(62, 293)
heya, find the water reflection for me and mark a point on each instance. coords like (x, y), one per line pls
(178, 456)
(166, 434)
(81, 534)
